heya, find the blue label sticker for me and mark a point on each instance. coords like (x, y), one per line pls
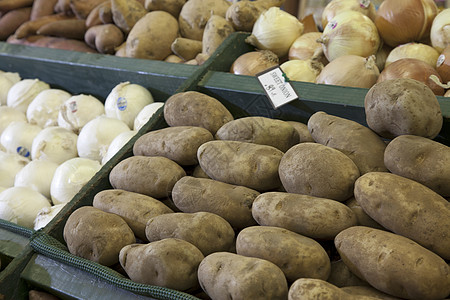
(122, 103)
(23, 151)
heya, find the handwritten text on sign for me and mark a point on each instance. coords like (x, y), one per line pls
(276, 87)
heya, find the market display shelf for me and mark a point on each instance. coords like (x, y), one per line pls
(13, 240)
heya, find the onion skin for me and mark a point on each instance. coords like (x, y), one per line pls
(443, 65)
(254, 62)
(447, 94)
(440, 30)
(336, 6)
(403, 21)
(413, 50)
(414, 69)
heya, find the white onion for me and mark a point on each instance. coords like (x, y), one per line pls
(23, 92)
(20, 205)
(44, 108)
(117, 143)
(38, 175)
(8, 115)
(46, 214)
(10, 165)
(440, 30)
(96, 136)
(70, 177)
(18, 137)
(55, 144)
(78, 110)
(7, 80)
(275, 30)
(145, 114)
(126, 100)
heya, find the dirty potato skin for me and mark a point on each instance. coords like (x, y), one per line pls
(260, 130)
(302, 130)
(314, 217)
(318, 170)
(152, 176)
(408, 208)
(231, 202)
(207, 231)
(170, 263)
(420, 159)
(136, 209)
(241, 163)
(179, 143)
(296, 255)
(225, 275)
(380, 256)
(362, 145)
(97, 235)
(196, 109)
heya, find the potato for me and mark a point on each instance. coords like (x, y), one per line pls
(231, 202)
(243, 14)
(173, 6)
(151, 176)
(196, 109)
(217, 29)
(97, 235)
(341, 276)
(363, 218)
(422, 160)
(296, 255)
(260, 130)
(394, 264)
(199, 173)
(302, 130)
(358, 142)
(403, 106)
(185, 48)
(408, 208)
(207, 231)
(105, 38)
(179, 143)
(224, 275)
(317, 218)
(170, 263)
(240, 163)
(195, 14)
(154, 26)
(126, 13)
(318, 170)
(312, 288)
(136, 209)
(368, 291)
(10, 21)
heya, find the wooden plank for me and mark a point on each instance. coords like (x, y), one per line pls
(11, 244)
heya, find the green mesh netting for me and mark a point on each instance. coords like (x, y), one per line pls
(26, 232)
(50, 247)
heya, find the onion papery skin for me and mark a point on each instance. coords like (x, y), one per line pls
(337, 6)
(440, 30)
(403, 21)
(350, 33)
(443, 65)
(418, 51)
(351, 71)
(254, 62)
(306, 47)
(301, 70)
(414, 69)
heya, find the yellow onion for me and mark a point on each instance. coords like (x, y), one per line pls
(350, 70)
(382, 55)
(447, 94)
(275, 30)
(302, 70)
(254, 62)
(403, 21)
(350, 33)
(440, 30)
(443, 65)
(414, 69)
(306, 46)
(365, 7)
(419, 51)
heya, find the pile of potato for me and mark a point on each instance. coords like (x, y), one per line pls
(258, 208)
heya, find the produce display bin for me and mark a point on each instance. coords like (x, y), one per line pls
(13, 241)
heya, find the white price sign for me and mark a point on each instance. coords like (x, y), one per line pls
(276, 86)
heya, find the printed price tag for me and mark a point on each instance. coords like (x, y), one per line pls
(276, 86)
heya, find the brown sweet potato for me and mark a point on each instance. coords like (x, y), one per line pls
(105, 38)
(63, 6)
(52, 42)
(42, 8)
(126, 13)
(31, 27)
(94, 16)
(12, 20)
(82, 8)
(7, 5)
(71, 29)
